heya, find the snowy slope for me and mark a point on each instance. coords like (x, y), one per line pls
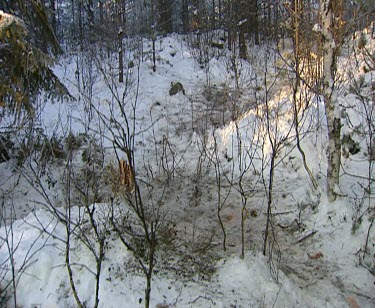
(318, 261)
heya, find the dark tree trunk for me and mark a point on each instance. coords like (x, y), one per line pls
(241, 8)
(165, 16)
(80, 22)
(101, 12)
(54, 17)
(253, 22)
(231, 25)
(185, 16)
(120, 34)
(242, 43)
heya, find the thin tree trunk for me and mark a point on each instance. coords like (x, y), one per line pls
(297, 53)
(80, 23)
(101, 12)
(99, 262)
(255, 21)
(242, 43)
(120, 59)
(269, 199)
(332, 110)
(153, 34)
(120, 23)
(91, 18)
(185, 16)
(151, 263)
(54, 17)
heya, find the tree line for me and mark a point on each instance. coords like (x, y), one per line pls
(257, 21)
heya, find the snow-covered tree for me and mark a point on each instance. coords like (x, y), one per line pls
(24, 69)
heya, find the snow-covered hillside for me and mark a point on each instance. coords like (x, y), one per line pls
(203, 157)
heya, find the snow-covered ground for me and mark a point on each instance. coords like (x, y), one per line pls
(317, 255)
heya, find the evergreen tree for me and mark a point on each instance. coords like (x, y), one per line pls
(38, 22)
(165, 22)
(24, 69)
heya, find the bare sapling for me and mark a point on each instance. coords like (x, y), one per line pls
(247, 152)
(222, 197)
(303, 67)
(140, 234)
(86, 76)
(82, 190)
(273, 113)
(301, 98)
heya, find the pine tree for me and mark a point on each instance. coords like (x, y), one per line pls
(24, 70)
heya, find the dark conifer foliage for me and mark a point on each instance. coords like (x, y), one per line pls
(39, 22)
(165, 9)
(24, 69)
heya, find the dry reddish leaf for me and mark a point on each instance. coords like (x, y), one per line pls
(352, 302)
(316, 255)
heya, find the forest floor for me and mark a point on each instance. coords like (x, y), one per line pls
(189, 147)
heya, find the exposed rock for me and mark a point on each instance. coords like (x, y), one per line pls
(175, 88)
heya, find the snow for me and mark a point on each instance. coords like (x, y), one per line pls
(320, 261)
(237, 282)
